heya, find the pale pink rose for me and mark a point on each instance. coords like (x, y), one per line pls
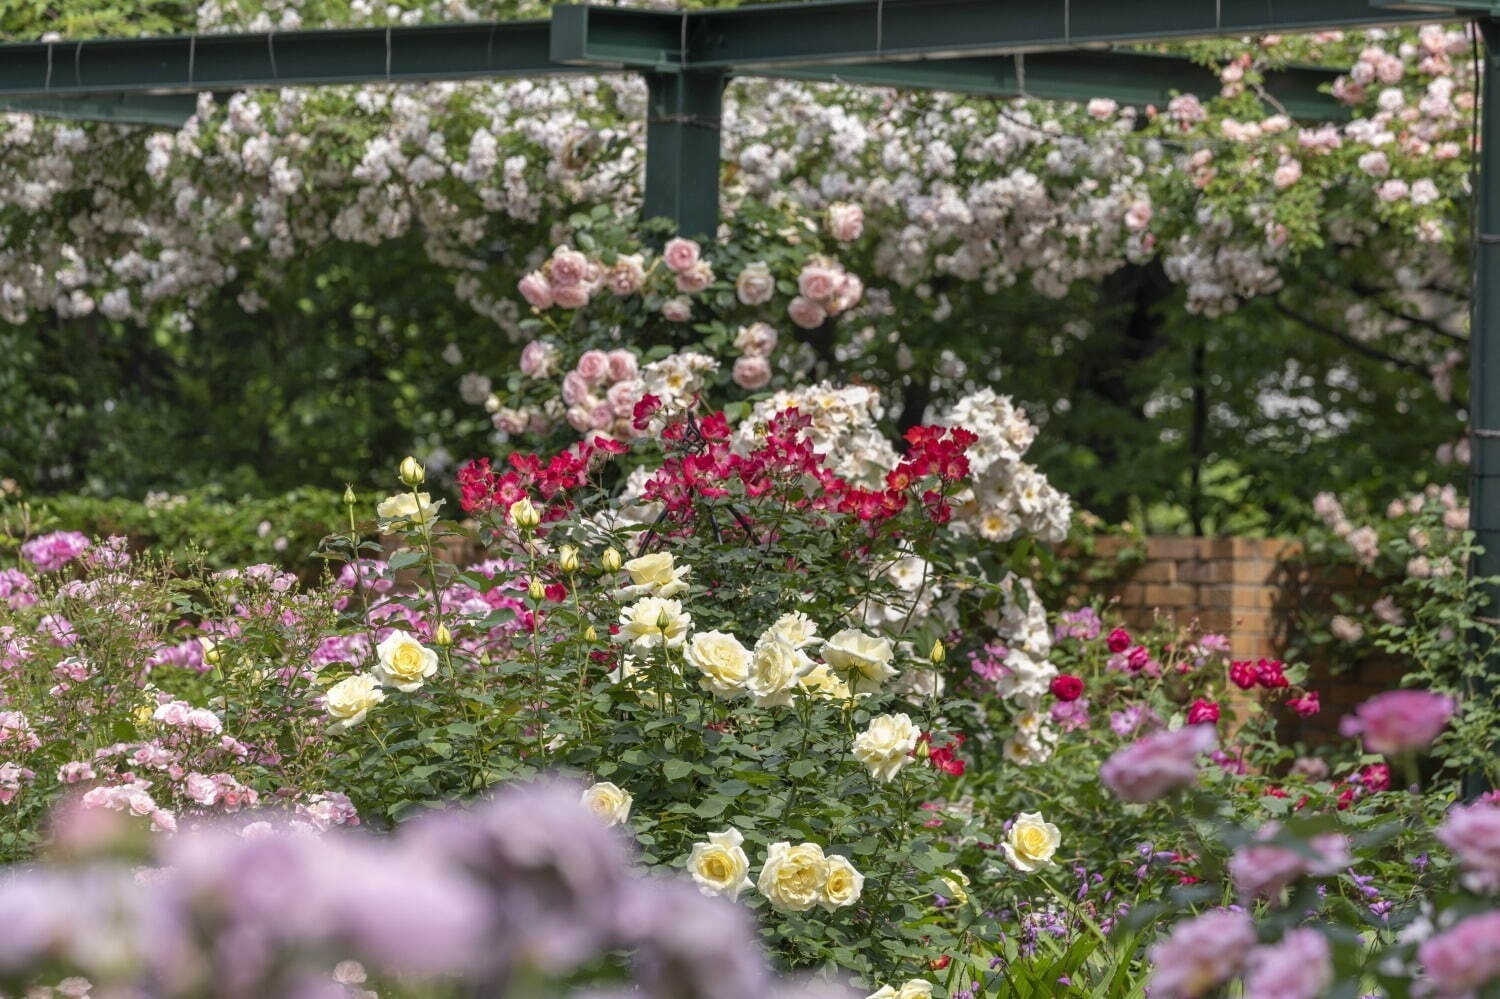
(1464, 958)
(575, 388)
(1298, 967)
(850, 290)
(1138, 216)
(538, 359)
(1472, 832)
(163, 821)
(1262, 870)
(756, 340)
(201, 789)
(1446, 151)
(622, 366)
(569, 267)
(755, 285)
(622, 397)
(1288, 172)
(593, 366)
(627, 275)
(581, 418)
(1424, 192)
(818, 282)
(1346, 629)
(846, 222)
(752, 372)
(1399, 720)
(509, 421)
(1200, 954)
(1374, 163)
(1456, 519)
(806, 313)
(204, 720)
(679, 254)
(1389, 68)
(1394, 189)
(1160, 763)
(173, 713)
(1101, 108)
(75, 771)
(572, 296)
(602, 417)
(537, 290)
(695, 278)
(677, 310)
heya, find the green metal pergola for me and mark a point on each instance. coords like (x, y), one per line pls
(1053, 49)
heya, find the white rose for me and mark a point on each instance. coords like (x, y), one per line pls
(863, 659)
(652, 622)
(1031, 842)
(793, 876)
(348, 700)
(917, 988)
(844, 884)
(775, 668)
(886, 745)
(403, 662)
(755, 285)
(418, 508)
(607, 801)
(795, 629)
(720, 866)
(655, 575)
(820, 681)
(724, 662)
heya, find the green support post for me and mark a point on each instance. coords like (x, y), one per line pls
(1484, 346)
(682, 149)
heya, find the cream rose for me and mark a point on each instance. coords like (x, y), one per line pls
(820, 681)
(844, 884)
(755, 285)
(1031, 842)
(417, 508)
(724, 662)
(794, 628)
(916, 988)
(654, 575)
(351, 698)
(863, 659)
(793, 877)
(775, 668)
(720, 866)
(609, 802)
(652, 622)
(403, 662)
(886, 745)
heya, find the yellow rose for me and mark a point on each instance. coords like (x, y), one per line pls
(609, 802)
(403, 662)
(524, 515)
(886, 745)
(821, 681)
(917, 988)
(655, 575)
(794, 628)
(348, 700)
(720, 866)
(775, 668)
(793, 877)
(843, 886)
(652, 622)
(724, 662)
(957, 883)
(402, 507)
(1031, 842)
(863, 659)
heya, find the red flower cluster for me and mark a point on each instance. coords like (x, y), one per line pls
(945, 757)
(1269, 673)
(482, 489)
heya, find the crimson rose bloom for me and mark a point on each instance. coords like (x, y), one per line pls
(1202, 712)
(1118, 640)
(1067, 687)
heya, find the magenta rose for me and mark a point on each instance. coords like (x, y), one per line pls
(1399, 720)
(1118, 640)
(1203, 712)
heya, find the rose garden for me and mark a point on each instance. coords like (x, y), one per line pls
(430, 566)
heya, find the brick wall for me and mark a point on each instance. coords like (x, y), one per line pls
(1256, 591)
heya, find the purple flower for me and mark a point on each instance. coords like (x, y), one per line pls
(1399, 720)
(1299, 967)
(55, 550)
(1157, 764)
(1200, 954)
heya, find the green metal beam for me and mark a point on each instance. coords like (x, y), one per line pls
(188, 64)
(621, 37)
(165, 111)
(1128, 77)
(1484, 349)
(682, 150)
(836, 31)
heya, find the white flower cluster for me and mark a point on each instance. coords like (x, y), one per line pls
(844, 427)
(1022, 626)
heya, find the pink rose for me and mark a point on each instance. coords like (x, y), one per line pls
(680, 254)
(806, 313)
(846, 222)
(752, 372)
(537, 290)
(1464, 958)
(755, 285)
(569, 267)
(538, 359)
(572, 296)
(695, 278)
(1299, 967)
(622, 397)
(1203, 712)
(1392, 190)
(1262, 870)
(1288, 172)
(1200, 954)
(1138, 216)
(627, 275)
(1151, 767)
(1399, 720)
(622, 365)
(756, 340)
(677, 310)
(818, 283)
(850, 290)
(581, 418)
(575, 388)
(1472, 832)
(593, 366)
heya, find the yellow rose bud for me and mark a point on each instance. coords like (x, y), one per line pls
(349, 497)
(524, 515)
(923, 750)
(210, 651)
(536, 589)
(591, 635)
(611, 560)
(411, 473)
(567, 558)
(938, 653)
(443, 637)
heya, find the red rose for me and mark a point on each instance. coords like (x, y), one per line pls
(1306, 705)
(1203, 712)
(1242, 674)
(1067, 687)
(1137, 658)
(1118, 640)
(1269, 673)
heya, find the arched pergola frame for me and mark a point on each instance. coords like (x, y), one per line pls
(1053, 49)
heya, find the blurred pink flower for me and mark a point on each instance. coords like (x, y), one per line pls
(1399, 720)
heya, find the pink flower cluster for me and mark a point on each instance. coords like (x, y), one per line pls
(1157, 764)
(1398, 721)
(1201, 954)
(1263, 869)
(1463, 959)
(53, 551)
(1472, 832)
(824, 289)
(601, 392)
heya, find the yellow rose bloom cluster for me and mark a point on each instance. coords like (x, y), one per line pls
(610, 803)
(403, 662)
(796, 878)
(886, 745)
(719, 866)
(916, 988)
(1031, 842)
(348, 701)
